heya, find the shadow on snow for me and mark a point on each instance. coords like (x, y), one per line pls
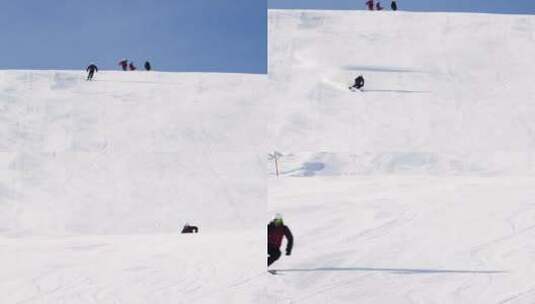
(137, 81)
(371, 68)
(308, 169)
(397, 91)
(392, 270)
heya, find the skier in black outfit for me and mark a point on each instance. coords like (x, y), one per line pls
(91, 69)
(124, 64)
(359, 83)
(190, 229)
(276, 231)
(394, 6)
(147, 66)
(369, 4)
(378, 6)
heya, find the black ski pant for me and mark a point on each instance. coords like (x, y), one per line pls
(90, 75)
(274, 254)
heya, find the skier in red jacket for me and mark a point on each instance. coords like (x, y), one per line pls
(123, 63)
(369, 3)
(276, 231)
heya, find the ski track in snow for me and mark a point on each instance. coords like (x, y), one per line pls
(365, 252)
(96, 178)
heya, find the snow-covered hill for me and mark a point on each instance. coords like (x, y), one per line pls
(129, 152)
(442, 89)
(97, 177)
(420, 188)
(406, 239)
(423, 194)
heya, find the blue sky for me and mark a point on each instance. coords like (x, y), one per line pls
(175, 35)
(486, 6)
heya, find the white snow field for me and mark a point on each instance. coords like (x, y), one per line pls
(97, 177)
(426, 198)
(426, 191)
(449, 88)
(401, 238)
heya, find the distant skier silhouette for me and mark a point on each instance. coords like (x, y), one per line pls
(369, 3)
(394, 6)
(378, 6)
(91, 69)
(359, 83)
(190, 229)
(147, 66)
(124, 64)
(131, 66)
(276, 231)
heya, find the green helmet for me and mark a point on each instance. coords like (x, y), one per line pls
(278, 219)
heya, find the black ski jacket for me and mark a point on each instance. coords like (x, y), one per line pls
(359, 81)
(275, 235)
(190, 229)
(92, 68)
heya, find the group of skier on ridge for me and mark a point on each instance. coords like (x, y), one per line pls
(372, 5)
(129, 66)
(123, 63)
(377, 6)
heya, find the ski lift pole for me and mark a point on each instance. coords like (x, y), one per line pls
(275, 156)
(277, 166)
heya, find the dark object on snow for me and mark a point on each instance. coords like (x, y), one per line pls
(394, 6)
(276, 231)
(378, 6)
(124, 64)
(147, 66)
(359, 83)
(131, 66)
(369, 3)
(190, 229)
(91, 69)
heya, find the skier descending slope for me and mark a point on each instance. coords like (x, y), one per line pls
(276, 231)
(91, 69)
(359, 83)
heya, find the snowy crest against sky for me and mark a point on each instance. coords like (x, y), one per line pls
(482, 6)
(200, 35)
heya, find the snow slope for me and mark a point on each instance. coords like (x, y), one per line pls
(424, 193)
(454, 89)
(406, 239)
(97, 177)
(128, 152)
(420, 188)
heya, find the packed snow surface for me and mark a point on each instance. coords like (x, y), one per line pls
(129, 152)
(450, 91)
(97, 178)
(424, 193)
(420, 188)
(405, 239)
